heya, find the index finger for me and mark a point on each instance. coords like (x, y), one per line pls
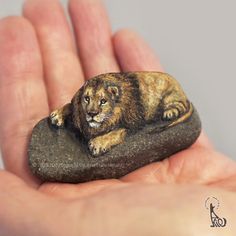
(23, 95)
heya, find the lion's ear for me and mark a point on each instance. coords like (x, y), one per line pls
(114, 91)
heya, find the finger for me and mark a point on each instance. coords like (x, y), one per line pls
(93, 35)
(133, 53)
(203, 141)
(23, 95)
(140, 57)
(228, 183)
(62, 68)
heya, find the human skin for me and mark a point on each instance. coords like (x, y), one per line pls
(40, 71)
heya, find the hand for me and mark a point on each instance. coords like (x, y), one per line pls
(40, 71)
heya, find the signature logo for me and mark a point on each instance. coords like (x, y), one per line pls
(212, 204)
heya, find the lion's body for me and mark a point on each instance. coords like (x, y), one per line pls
(131, 100)
(159, 89)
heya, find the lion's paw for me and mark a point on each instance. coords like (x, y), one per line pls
(56, 118)
(170, 114)
(97, 146)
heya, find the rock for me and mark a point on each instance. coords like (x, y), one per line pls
(56, 154)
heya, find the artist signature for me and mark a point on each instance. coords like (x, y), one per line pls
(212, 204)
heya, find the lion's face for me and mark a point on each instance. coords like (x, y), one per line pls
(98, 104)
(106, 102)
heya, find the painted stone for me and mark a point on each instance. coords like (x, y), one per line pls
(116, 123)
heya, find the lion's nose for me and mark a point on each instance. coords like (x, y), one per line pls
(92, 113)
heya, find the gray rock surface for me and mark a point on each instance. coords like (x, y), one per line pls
(57, 155)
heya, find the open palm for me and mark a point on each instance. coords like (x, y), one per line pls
(41, 67)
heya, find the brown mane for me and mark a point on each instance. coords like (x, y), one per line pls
(128, 109)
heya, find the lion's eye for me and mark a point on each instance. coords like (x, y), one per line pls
(87, 99)
(103, 101)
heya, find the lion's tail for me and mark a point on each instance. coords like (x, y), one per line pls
(183, 117)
